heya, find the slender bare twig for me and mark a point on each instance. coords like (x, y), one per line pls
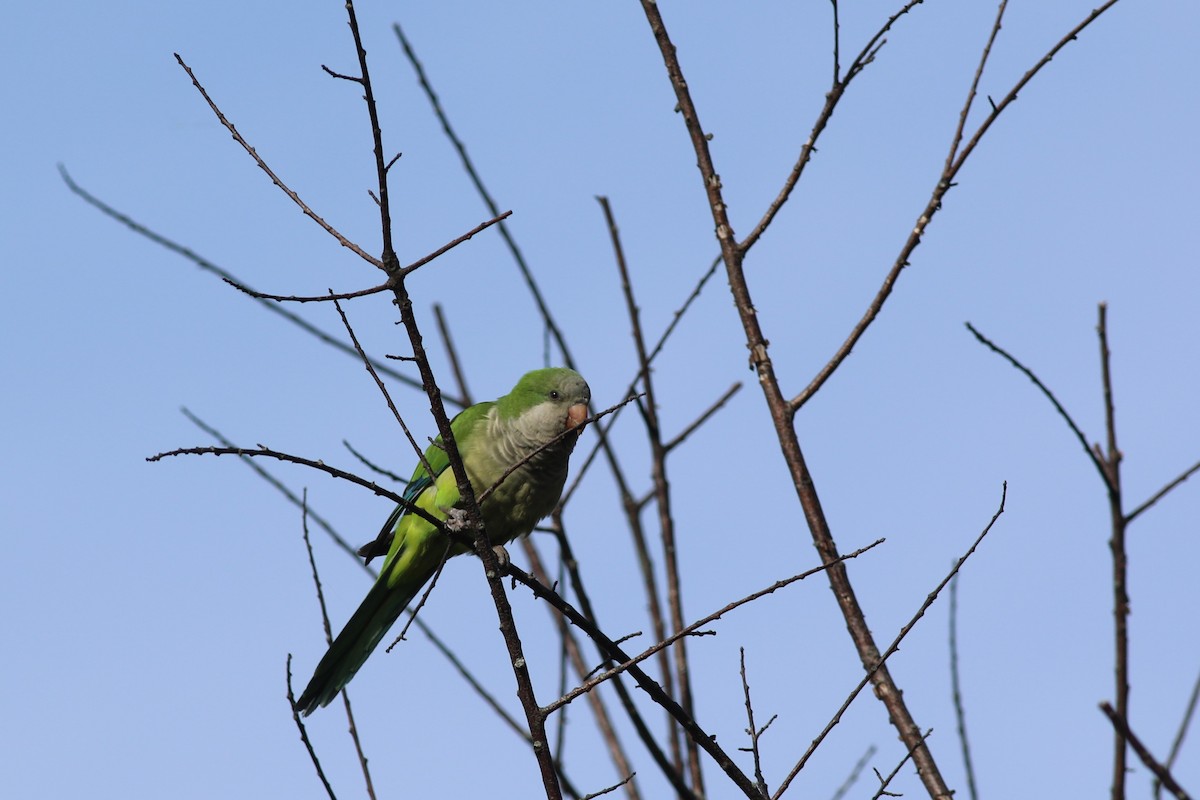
(412, 614)
(662, 340)
(956, 690)
(295, 298)
(1125, 733)
(855, 772)
(460, 377)
(420, 262)
(1183, 726)
(752, 730)
(518, 257)
(1087, 448)
(627, 664)
(836, 90)
(383, 287)
(612, 788)
(883, 782)
(668, 769)
(574, 655)
(1161, 493)
(944, 184)
(371, 465)
(228, 277)
(703, 418)
(229, 126)
(662, 494)
(312, 563)
(892, 648)
(312, 754)
(648, 684)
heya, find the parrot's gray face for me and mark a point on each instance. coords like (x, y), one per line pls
(564, 407)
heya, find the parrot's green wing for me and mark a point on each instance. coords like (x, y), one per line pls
(415, 549)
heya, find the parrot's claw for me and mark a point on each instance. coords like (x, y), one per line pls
(502, 556)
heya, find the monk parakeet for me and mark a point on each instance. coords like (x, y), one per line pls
(528, 422)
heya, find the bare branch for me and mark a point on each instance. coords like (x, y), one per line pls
(703, 418)
(752, 730)
(383, 390)
(342, 240)
(320, 298)
(460, 377)
(852, 778)
(420, 262)
(956, 689)
(1183, 726)
(626, 663)
(312, 754)
(312, 563)
(1161, 493)
(228, 277)
(1124, 732)
(995, 348)
(892, 648)
(944, 184)
(883, 784)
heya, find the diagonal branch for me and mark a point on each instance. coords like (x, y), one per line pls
(229, 126)
(954, 164)
(781, 417)
(1000, 351)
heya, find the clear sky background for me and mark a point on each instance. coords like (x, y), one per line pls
(148, 608)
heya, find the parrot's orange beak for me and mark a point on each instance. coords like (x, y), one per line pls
(576, 416)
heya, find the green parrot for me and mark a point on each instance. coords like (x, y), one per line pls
(528, 422)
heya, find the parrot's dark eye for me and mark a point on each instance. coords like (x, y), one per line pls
(554, 395)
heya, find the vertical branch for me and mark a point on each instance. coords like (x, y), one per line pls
(1112, 465)
(662, 497)
(956, 689)
(473, 519)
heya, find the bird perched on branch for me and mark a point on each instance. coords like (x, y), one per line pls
(532, 431)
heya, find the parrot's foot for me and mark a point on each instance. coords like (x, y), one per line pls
(502, 556)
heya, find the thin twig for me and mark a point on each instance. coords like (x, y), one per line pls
(855, 772)
(460, 377)
(995, 348)
(229, 126)
(383, 390)
(703, 418)
(753, 730)
(942, 187)
(627, 664)
(312, 754)
(956, 690)
(885, 781)
(526, 273)
(892, 648)
(836, 91)
(658, 455)
(1125, 733)
(665, 766)
(228, 277)
(371, 465)
(1183, 726)
(312, 563)
(1161, 493)
(420, 262)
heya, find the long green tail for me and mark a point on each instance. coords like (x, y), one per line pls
(366, 627)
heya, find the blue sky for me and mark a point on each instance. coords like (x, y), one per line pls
(149, 608)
